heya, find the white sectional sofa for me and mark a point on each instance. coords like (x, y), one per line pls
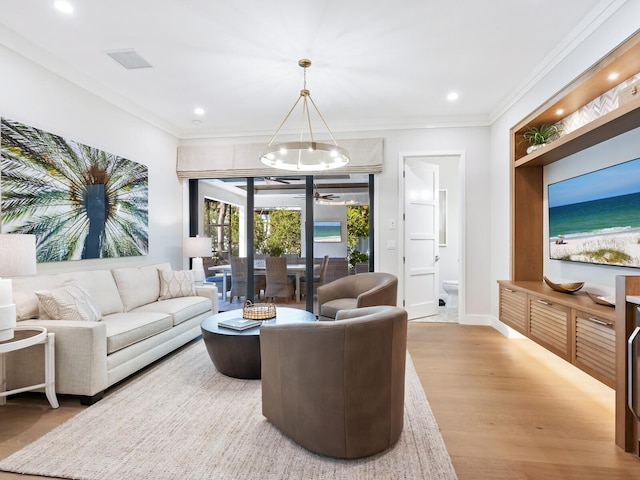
(142, 317)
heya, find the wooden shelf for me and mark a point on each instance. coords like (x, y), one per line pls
(620, 120)
(587, 346)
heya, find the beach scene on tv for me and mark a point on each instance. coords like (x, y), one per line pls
(330, 232)
(595, 218)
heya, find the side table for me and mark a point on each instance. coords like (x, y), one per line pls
(25, 337)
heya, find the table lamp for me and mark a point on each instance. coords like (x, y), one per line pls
(17, 257)
(196, 248)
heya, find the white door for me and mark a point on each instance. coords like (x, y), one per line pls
(421, 223)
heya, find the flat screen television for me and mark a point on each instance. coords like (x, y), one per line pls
(595, 217)
(327, 232)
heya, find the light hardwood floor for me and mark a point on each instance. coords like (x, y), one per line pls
(507, 409)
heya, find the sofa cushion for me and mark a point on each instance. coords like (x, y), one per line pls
(176, 284)
(329, 309)
(100, 286)
(138, 286)
(69, 302)
(27, 304)
(124, 329)
(181, 308)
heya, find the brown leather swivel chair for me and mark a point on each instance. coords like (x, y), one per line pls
(357, 291)
(337, 388)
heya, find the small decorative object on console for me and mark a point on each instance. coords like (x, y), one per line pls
(564, 287)
(601, 300)
(258, 311)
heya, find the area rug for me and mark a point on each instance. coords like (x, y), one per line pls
(182, 419)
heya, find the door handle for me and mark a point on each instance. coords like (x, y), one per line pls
(437, 257)
(631, 360)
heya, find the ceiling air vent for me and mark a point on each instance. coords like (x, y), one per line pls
(129, 59)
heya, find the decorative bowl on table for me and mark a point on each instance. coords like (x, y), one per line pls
(571, 287)
(601, 300)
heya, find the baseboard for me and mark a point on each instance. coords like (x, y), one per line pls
(491, 321)
(475, 320)
(504, 329)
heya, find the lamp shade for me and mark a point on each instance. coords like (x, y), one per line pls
(17, 254)
(196, 247)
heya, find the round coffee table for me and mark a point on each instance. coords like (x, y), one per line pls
(237, 353)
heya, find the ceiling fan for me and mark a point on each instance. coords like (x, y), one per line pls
(318, 196)
(285, 180)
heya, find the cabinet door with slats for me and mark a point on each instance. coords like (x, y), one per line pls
(549, 326)
(513, 309)
(595, 347)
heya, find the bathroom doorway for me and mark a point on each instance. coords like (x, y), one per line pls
(448, 261)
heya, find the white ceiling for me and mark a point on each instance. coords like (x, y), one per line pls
(376, 65)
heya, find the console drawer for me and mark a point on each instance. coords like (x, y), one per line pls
(595, 347)
(549, 326)
(513, 309)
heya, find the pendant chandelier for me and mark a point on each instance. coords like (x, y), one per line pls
(304, 155)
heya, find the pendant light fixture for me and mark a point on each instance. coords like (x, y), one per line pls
(304, 155)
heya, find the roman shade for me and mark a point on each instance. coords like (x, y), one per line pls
(241, 160)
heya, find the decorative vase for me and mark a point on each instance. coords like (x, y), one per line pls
(533, 148)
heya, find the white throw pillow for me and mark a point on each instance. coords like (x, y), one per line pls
(69, 302)
(175, 284)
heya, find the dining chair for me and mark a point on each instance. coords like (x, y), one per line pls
(278, 282)
(317, 279)
(238, 278)
(292, 258)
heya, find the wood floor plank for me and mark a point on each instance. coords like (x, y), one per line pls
(509, 409)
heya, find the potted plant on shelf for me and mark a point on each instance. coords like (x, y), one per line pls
(538, 137)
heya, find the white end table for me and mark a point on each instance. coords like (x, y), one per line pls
(25, 337)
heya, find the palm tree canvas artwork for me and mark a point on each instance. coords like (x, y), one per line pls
(80, 202)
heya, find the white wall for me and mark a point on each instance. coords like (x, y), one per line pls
(619, 26)
(35, 96)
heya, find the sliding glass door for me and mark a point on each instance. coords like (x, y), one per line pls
(303, 218)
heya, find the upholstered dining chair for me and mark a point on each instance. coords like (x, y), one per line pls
(278, 282)
(337, 388)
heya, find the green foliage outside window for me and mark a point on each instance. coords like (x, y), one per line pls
(283, 232)
(357, 227)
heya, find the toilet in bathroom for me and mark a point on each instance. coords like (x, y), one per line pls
(451, 288)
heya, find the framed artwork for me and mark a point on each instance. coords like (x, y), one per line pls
(80, 202)
(443, 218)
(327, 232)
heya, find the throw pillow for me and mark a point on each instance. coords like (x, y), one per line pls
(69, 302)
(175, 284)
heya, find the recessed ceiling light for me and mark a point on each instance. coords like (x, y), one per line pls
(452, 96)
(64, 7)
(559, 111)
(198, 111)
(613, 76)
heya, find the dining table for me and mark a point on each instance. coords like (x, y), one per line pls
(296, 270)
